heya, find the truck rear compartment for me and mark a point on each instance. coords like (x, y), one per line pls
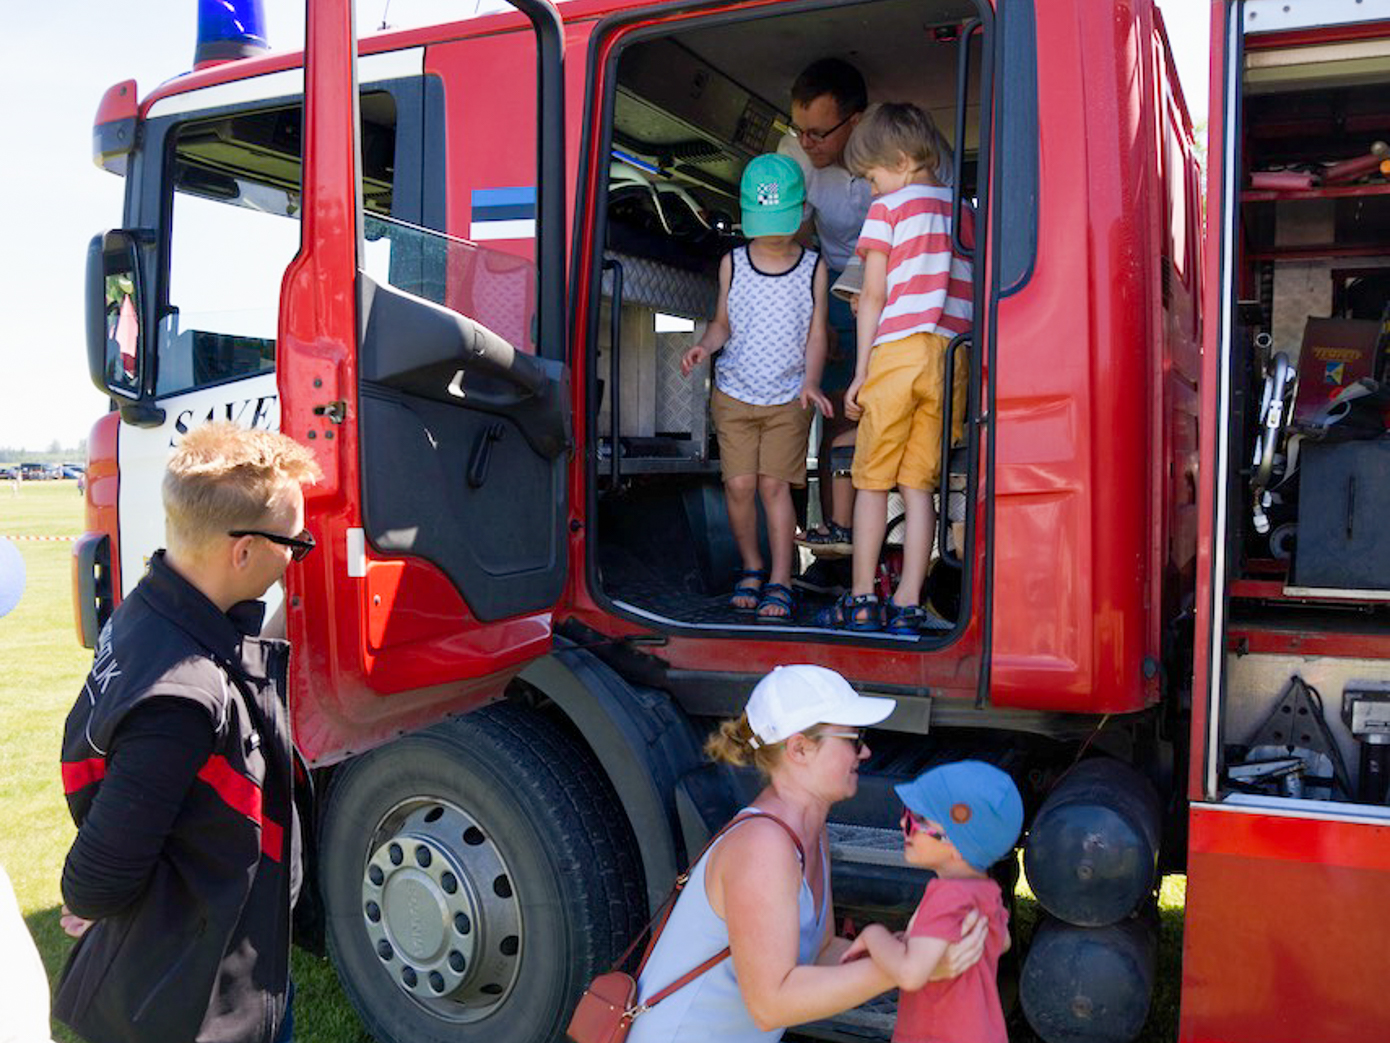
(1306, 707)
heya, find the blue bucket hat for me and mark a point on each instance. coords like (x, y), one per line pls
(772, 195)
(975, 803)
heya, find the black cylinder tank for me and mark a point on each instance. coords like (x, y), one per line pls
(1092, 852)
(1089, 984)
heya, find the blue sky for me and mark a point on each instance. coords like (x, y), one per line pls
(57, 57)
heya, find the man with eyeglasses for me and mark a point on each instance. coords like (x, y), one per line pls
(178, 767)
(827, 100)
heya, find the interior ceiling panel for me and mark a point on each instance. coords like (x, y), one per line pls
(892, 42)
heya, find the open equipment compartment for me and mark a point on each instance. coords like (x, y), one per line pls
(1306, 711)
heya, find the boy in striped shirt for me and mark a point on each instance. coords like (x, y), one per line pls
(917, 296)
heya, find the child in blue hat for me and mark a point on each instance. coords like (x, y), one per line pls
(958, 820)
(769, 329)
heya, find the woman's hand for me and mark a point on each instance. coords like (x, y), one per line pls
(812, 395)
(962, 955)
(73, 925)
(693, 358)
(853, 410)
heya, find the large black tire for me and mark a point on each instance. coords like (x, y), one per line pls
(476, 876)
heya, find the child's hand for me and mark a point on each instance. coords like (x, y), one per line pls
(693, 358)
(813, 396)
(859, 948)
(853, 410)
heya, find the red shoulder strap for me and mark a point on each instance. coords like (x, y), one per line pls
(665, 913)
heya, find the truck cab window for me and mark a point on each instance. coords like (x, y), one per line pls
(232, 228)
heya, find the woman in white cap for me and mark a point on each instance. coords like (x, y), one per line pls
(763, 889)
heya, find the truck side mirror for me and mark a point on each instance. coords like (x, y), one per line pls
(116, 355)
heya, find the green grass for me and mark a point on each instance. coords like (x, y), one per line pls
(43, 668)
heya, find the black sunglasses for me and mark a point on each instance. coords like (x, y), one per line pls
(815, 137)
(300, 545)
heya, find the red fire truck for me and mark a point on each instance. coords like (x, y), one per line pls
(462, 264)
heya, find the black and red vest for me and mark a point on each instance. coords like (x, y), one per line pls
(203, 954)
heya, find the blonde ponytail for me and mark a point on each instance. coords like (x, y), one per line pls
(732, 744)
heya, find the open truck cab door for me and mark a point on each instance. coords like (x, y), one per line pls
(444, 442)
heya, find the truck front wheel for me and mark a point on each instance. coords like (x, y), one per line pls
(476, 876)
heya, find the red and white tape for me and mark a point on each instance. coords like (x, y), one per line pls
(46, 539)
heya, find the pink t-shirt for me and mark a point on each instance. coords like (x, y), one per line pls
(964, 1009)
(930, 287)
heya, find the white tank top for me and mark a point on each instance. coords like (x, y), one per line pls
(764, 361)
(711, 1007)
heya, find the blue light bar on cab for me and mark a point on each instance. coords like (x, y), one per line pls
(228, 30)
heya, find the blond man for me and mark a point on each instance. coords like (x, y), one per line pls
(177, 766)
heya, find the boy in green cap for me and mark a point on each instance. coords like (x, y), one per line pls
(770, 329)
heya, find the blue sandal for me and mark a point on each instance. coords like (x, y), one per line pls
(836, 541)
(776, 596)
(912, 619)
(861, 613)
(746, 591)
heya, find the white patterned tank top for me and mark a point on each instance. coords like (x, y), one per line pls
(764, 361)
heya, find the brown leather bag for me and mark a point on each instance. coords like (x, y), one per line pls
(609, 1005)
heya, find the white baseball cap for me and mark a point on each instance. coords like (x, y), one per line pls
(793, 698)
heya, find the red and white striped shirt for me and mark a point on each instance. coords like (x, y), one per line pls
(930, 287)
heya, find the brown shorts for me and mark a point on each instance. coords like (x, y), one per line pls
(770, 440)
(899, 441)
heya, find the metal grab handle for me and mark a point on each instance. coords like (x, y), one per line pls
(948, 408)
(958, 166)
(615, 333)
(1271, 418)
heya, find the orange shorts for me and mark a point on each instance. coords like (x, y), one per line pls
(770, 440)
(899, 441)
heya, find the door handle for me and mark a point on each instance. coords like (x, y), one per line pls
(482, 454)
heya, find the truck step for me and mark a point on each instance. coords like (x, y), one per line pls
(873, 1021)
(865, 845)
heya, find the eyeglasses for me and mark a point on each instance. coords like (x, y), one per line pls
(912, 824)
(300, 545)
(856, 737)
(815, 137)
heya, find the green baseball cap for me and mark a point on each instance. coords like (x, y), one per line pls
(772, 195)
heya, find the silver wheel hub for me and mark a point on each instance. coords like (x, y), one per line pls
(440, 910)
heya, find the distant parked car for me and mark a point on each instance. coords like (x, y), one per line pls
(73, 471)
(8, 473)
(34, 472)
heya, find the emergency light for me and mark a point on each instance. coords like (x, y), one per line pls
(228, 30)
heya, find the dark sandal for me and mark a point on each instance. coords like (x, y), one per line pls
(861, 613)
(743, 590)
(833, 534)
(912, 619)
(836, 540)
(775, 595)
(903, 619)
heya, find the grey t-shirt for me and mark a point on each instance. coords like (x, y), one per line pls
(839, 201)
